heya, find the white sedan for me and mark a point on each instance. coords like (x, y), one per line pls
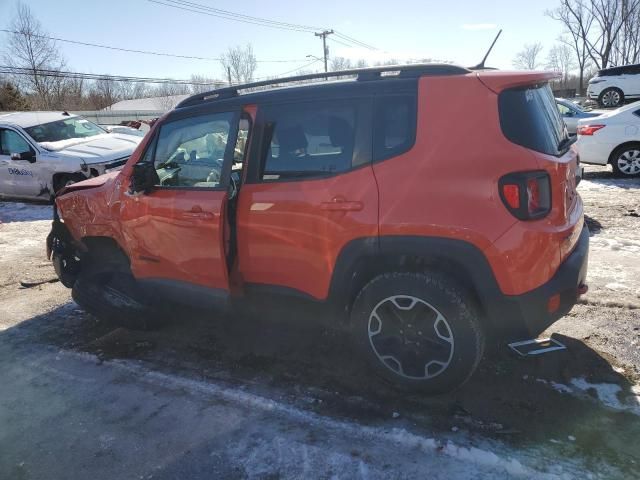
(612, 138)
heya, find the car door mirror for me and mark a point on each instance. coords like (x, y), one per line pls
(29, 156)
(144, 177)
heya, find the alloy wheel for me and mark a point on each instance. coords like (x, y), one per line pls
(410, 337)
(611, 98)
(629, 162)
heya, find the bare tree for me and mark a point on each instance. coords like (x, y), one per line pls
(203, 84)
(577, 19)
(562, 60)
(166, 95)
(339, 63)
(611, 16)
(527, 58)
(626, 49)
(108, 90)
(361, 63)
(239, 64)
(607, 31)
(29, 49)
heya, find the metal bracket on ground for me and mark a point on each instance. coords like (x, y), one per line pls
(539, 346)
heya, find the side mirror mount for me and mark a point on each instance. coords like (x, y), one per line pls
(144, 177)
(29, 156)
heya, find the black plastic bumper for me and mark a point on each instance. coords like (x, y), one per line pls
(526, 316)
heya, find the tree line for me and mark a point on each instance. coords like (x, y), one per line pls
(596, 34)
(35, 76)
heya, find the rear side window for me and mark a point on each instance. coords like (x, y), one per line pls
(529, 117)
(395, 125)
(308, 139)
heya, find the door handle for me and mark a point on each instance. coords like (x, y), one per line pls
(197, 212)
(340, 204)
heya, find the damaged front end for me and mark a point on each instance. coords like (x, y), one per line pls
(62, 252)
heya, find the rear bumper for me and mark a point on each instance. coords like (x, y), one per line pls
(526, 316)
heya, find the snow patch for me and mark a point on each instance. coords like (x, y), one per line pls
(24, 212)
(608, 394)
(473, 455)
(561, 387)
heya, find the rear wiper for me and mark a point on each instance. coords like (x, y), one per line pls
(566, 143)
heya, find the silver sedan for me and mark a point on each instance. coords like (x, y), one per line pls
(572, 112)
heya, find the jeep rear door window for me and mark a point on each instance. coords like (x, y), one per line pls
(308, 139)
(190, 152)
(529, 117)
(395, 129)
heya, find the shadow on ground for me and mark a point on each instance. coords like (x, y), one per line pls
(509, 397)
(607, 177)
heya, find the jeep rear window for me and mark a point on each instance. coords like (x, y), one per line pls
(529, 117)
(308, 139)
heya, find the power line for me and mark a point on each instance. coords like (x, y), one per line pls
(93, 76)
(203, 10)
(353, 40)
(6, 69)
(241, 15)
(145, 52)
(265, 22)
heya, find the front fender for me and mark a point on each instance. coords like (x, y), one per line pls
(91, 208)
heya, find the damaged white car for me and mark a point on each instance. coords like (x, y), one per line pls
(41, 152)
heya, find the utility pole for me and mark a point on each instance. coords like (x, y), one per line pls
(324, 35)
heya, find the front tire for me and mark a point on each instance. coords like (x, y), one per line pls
(611, 98)
(419, 331)
(626, 160)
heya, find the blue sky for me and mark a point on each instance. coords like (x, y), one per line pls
(460, 31)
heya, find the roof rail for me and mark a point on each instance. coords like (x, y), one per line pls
(361, 74)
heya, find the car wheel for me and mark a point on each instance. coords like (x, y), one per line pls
(626, 161)
(611, 97)
(419, 331)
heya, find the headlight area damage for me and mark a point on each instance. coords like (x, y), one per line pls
(66, 251)
(62, 252)
(83, 247)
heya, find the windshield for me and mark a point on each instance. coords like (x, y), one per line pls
(530, 117)
(75, 127)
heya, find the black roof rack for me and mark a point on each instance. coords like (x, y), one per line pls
(361, 74)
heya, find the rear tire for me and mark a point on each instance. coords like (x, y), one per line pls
(419, 331)
(611, 98)
(626, 161)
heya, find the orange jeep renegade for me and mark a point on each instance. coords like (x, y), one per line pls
(434, 221)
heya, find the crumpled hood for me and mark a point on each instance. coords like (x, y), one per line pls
(96, 149)
(92, 182)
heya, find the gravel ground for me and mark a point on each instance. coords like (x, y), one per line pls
(259, 396)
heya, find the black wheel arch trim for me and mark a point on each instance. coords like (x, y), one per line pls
(362, 257)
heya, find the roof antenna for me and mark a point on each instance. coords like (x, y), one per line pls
(481, 66)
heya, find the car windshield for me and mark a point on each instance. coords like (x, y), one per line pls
(75, 127)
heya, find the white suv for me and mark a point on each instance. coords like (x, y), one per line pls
(41, 152)
(612, 86)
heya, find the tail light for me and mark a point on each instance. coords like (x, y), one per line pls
(588, 130)
(527, 195)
